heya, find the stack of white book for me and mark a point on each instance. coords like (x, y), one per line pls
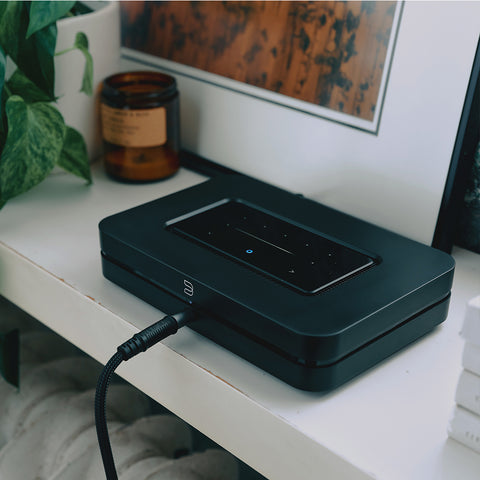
(464, 425)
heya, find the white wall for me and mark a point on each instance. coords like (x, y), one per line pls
(394, 179)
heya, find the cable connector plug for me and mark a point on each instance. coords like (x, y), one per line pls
(153, 334)
(149, 336)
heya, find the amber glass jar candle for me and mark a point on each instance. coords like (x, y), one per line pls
(140, 126)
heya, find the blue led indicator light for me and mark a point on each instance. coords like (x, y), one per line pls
(249, 250)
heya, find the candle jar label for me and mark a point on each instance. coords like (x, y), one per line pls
(134, 127)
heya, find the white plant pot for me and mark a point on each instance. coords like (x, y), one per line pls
(102, 28)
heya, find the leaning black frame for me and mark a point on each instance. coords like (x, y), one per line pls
(466, 141)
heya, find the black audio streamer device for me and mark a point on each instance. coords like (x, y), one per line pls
(305, 292)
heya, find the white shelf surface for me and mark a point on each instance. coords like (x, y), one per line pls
(389, 424)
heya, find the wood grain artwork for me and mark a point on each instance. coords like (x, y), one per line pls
(331, 54)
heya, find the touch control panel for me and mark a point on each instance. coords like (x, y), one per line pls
(303, 260)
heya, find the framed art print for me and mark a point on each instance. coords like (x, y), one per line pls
(314, 57)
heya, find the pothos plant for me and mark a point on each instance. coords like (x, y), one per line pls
(33, 135)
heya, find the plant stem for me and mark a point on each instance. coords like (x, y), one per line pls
(65, 51)
(7, 90)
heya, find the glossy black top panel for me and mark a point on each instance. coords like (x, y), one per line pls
(299, 258)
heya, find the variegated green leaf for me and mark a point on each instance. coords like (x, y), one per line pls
(74, 156)
(20, 84)
(44, 13)
(34, 56)
(36, 59)
(13, 22)
(33, 145)
(81, 42)
(3, 62)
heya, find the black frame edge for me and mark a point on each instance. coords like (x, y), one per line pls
(466, 142)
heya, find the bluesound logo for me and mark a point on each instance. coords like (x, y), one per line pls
(188, 290)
